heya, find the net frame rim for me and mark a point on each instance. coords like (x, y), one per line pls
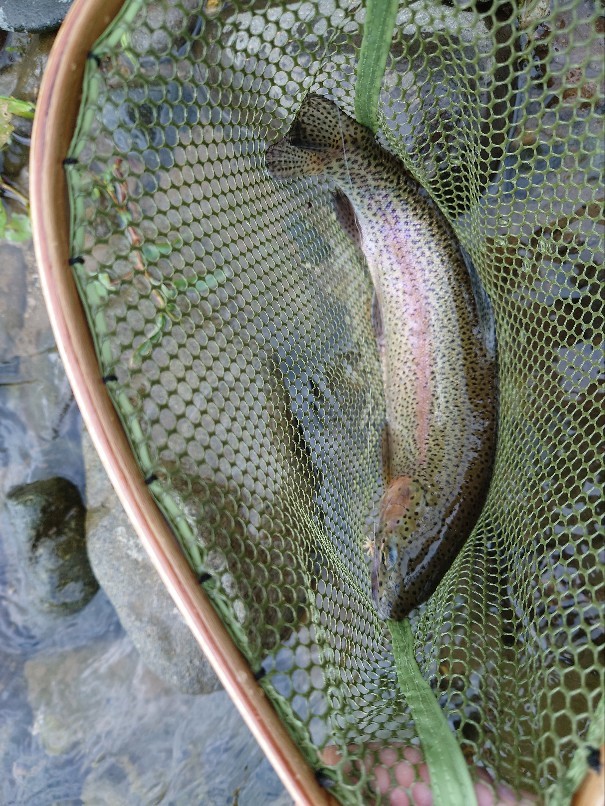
(54, 125)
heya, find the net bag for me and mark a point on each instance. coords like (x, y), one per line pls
(231, 315)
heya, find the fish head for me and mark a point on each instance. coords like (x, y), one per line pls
(403, 529)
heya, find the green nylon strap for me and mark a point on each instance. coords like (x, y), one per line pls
(579, 764)
(375, 46)
(451, 783)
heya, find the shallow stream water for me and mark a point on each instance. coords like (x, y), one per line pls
(82, 720)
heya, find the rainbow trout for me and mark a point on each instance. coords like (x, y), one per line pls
(438, 361)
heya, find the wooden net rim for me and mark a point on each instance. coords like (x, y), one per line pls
(54, 124)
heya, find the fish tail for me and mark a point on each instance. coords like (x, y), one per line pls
(314, 142)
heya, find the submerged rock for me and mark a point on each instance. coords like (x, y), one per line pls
(32, 15)
(13, 303)
(129, 579)
(47, 518)
(135, 740)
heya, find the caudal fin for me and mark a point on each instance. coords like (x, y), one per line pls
(313, 142)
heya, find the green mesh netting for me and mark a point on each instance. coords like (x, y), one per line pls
(232, 317)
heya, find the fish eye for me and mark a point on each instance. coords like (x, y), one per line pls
(295, 134)
(298, 138)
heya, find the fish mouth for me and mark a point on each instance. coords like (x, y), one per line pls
(385, 598)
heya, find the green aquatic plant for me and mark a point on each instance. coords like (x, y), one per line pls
(13, 226)
(9, 108)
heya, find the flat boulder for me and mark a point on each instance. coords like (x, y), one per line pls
(143, 604)
(32, 15)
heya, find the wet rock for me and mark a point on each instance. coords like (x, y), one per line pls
(23, 59)
(32, 15)
(20, 288)
(66, 690)
(99, 490)
(12, 48)
(39, 423)
(141, 741)
(12, 306)
(143, 604)
(263, 786)
(47, 518)
(14, 704)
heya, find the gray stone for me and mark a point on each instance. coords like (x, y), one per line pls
(13, 283)
(23, 59)
(39, 422)
(138, 741)
(99, 490)
(32, 15)
(143, 604)
(47, 518)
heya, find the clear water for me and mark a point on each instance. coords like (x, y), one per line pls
(82, 721)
